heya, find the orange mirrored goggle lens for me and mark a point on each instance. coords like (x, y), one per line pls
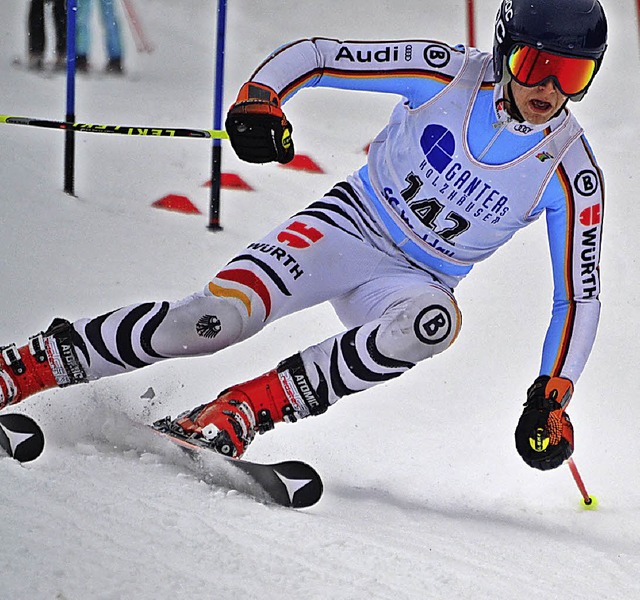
(531, 67)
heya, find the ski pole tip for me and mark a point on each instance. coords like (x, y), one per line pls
(589, 503)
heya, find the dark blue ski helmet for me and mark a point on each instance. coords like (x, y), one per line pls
(573, 28)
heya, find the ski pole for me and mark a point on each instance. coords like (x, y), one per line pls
(117, 129)
(588, 502)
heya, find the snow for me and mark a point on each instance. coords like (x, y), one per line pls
(425, 496)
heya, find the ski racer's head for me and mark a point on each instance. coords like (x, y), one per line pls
(560, 43)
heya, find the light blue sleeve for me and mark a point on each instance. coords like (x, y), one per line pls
(553, 201)
(574, 204)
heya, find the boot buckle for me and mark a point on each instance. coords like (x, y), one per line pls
(265, 422)
(37, 348)
(13, 360)
(209, 432)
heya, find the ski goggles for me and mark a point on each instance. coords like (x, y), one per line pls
(530, 67)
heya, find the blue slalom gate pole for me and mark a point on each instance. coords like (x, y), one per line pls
(69, 142)
(218, 96)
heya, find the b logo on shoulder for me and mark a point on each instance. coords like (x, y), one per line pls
(586, 182)
(437, 56)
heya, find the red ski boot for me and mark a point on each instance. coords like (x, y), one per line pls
(47, 361)
(229, 423)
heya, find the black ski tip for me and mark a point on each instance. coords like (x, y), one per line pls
(301, 485)
(21, 437)
(292, 483)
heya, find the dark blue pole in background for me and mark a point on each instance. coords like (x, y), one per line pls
(218, 97)
(69, 141)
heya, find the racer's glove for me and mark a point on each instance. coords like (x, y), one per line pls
(258, 130)
(544, 435)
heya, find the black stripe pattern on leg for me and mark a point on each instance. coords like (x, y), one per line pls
(354, 357)
(122, 337)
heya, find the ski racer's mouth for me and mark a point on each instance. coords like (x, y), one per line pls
(540, 106)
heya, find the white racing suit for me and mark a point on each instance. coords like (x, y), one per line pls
(448, 181)
(396, 311)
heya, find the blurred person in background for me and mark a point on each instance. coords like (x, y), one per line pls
(37, 33)
(112, 33)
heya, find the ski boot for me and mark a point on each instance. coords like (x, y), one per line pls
(114, 67)
(36, 61)
(82, 64)
(229, 423)
(49, 360)
(60, 64)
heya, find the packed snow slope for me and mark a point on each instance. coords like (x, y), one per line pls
(425, 495)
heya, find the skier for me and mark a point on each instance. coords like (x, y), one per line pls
(113, 37)
(37, 37)
(479, 147)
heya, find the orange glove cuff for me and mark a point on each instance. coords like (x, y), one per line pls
(256, 92)
(560, 390)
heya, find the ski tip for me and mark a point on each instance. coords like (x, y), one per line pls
(293, 484)
(21, 437)
(301, 484)
(309, 495)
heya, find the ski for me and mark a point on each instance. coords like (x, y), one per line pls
(291, 483)
(21, 437)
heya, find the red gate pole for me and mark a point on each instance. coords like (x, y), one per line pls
(638, 15)
(471, 23)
